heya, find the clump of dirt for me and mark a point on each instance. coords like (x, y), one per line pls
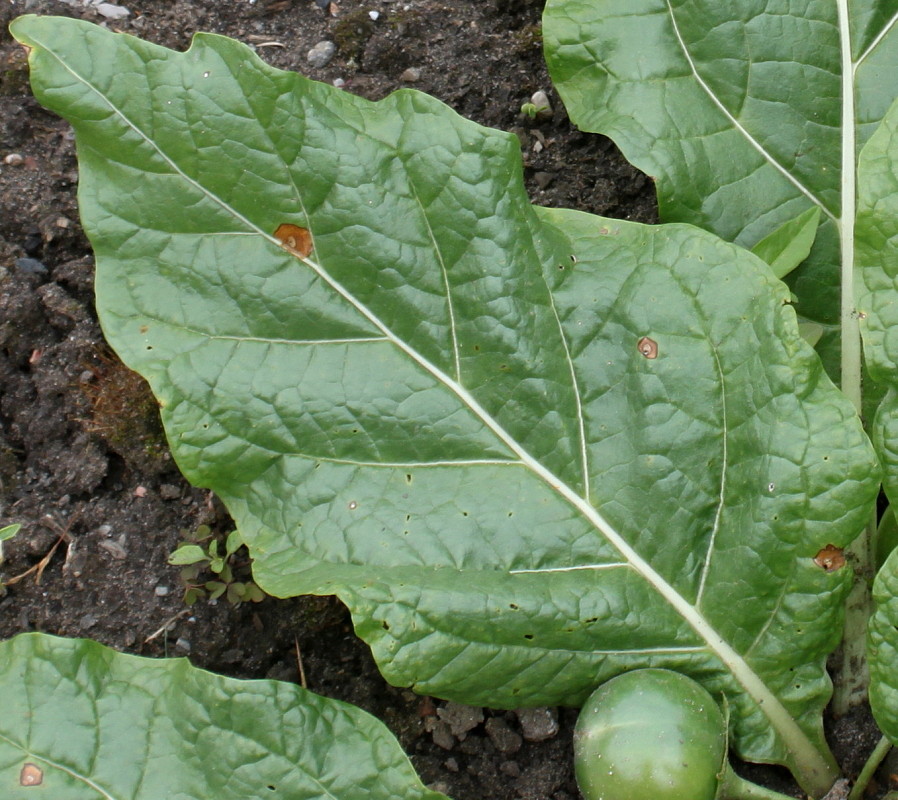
(83, 463)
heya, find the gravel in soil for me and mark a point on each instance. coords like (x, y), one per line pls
(83, 460)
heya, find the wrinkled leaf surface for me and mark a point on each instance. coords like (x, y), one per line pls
(883, 649)
(83, 722)
(746, 113)
(529, 448)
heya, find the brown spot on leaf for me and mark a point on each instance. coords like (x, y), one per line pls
(31, 775)
(830, 558)
(295, 239)
(648, 347)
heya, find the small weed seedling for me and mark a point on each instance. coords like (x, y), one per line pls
(201, 551)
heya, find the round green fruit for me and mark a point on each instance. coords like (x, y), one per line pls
(650, 734)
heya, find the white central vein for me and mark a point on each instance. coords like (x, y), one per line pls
(746, 134)
(590, 567)
(851, 334)
(718, 515)
(730, 658)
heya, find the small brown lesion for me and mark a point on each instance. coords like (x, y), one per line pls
(294, 239)
(31, 775)
(830, 558)
(647, 347)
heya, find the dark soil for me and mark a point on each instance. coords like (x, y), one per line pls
(83, 461)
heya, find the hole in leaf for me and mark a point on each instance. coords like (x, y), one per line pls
(528, 636)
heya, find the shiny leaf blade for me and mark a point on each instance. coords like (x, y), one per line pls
(790, 244)
(747, 114)
(878, 282)
(529, 448)
(883, 649)
(81, 721)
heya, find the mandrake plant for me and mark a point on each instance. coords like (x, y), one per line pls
(530, 448)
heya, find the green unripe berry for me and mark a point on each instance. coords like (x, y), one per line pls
(650, 734)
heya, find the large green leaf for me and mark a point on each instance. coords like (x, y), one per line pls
(739, 110)
(529, 448)
(82, 722)
(746, 113)
(877, 236)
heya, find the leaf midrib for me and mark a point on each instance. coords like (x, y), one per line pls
(791, 733)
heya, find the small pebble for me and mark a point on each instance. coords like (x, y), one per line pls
(538, 724)
(502, 736)
(161, 591)
(510, 768)
(14, 159)
(183, 644)
(442, 736)
(169, 491)
(321, 54)
(88, 621)
(374, 14)
(411, 75)
(544, 179)
(111, 11)
(460, 718)
(115, 548)
(31, 266)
